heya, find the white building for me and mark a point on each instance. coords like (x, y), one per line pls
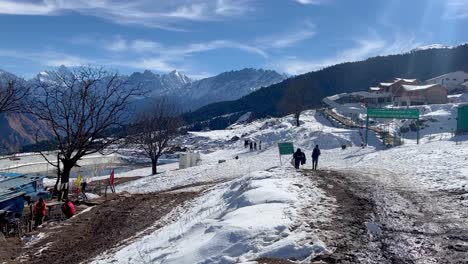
(452, 80)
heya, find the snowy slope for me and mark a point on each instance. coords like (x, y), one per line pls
(255, 207)
(236, 221)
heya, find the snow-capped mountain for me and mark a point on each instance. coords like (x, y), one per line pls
(432, 46)
(192, 93)
(228, 86)
(225, 86)
(18, 129)
(160, 84)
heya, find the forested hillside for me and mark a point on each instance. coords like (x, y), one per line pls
(345, 77)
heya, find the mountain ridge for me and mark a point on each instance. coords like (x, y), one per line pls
(188, 93)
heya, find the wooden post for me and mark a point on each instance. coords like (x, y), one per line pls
(367, 128)
(105, 193)
(417, 131)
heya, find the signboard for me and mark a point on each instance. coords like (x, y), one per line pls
(410, 113)
(462, 122)
(286, 148)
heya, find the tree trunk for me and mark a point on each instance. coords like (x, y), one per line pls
(154, 164)
(56, 190)
(65, 178)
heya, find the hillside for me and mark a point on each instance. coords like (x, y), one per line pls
(345, 77)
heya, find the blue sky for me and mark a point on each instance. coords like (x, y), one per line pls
(204, 38)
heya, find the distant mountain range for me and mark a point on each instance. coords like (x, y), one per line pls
(18, 130)
(192, 94)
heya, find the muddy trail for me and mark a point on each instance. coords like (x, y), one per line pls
(103, 227)
(382, 219)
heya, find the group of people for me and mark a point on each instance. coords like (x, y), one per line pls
(40, 210)
(299, 158)
(252, 145)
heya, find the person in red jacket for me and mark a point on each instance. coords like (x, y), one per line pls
(40, 210)
(68, 209)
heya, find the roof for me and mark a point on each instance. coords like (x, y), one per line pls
(406, 80)
(386, 84)
(408, 88)
(7, 184)
(444, 75)
(8, 195)
(374, 88)
(7, 175)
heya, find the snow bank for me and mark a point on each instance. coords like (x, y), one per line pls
(241, 220)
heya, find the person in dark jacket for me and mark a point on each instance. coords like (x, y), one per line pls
(255, 145)
(315, 155)
(251, 145)
(299, 158)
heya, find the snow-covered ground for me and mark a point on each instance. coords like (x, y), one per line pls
(242, 219)
(257, 207)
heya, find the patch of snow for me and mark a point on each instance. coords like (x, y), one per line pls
(236, 221)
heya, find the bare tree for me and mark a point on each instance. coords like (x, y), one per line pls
(81, 108)
(12, 92)
(155, 128)
(294, 101)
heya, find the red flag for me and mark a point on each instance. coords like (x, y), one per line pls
(112, 179)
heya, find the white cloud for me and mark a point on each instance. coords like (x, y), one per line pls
(310, 2)
(119, 44)
(47, 57)
(232, 8)
(218, 44)
(365, 48)
(155, 64)
(146, 46)
(25, 8)
(176, 52)
(306, 31)
(56, 59)
(455, 9)
(159, 14)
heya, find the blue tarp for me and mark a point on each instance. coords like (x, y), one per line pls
(13, 188)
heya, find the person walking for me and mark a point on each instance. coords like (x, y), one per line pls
(255, 145)
(315, 155)
(246, 143)
(83, 187)
(40, 211)
(251, 146)
(299, 158)
(260, 145)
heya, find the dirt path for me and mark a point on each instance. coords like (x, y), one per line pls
(104, 226)
(383, 219)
